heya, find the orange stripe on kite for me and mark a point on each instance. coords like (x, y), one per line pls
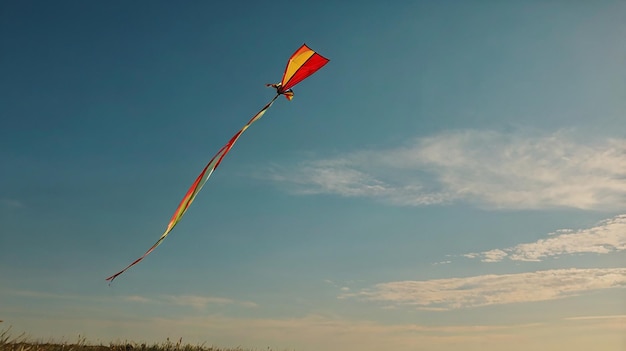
(296, 61)
(301, 64)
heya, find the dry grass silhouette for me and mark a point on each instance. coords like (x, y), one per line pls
(23, 343)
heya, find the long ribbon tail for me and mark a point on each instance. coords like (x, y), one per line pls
(197, 186)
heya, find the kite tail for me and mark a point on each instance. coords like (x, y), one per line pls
(288, 94)
(197, 186)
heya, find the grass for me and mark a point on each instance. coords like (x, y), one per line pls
(22, 343)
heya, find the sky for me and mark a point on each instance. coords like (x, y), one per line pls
(454, 178)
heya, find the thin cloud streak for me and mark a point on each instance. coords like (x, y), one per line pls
(201, 302)
(195, 301)
(11, 203)
(487, 168)
(484, 290)
(607, 237)
(584, 318)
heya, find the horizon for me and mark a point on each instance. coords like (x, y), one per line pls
(455, 176)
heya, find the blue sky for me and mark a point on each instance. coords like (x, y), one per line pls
(454, 177)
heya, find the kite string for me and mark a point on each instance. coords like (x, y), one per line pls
(197, 186)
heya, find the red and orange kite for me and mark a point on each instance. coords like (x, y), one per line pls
(303, 63)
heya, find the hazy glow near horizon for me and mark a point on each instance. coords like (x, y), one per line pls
(454, 178)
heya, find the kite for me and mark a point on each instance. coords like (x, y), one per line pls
(303, 63)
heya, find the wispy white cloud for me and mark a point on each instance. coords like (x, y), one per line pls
(616, 322)
(196, 301)
(11, 203)
(603, 317)
(56, 296)
(483, 167)
(137, 298)
(493, 255)
(483, 290)
(201, 302)
(608, 236)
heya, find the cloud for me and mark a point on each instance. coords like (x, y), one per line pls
(486, 168)
(493, 255)
(196, 301)
(137, 298)
(201, 302)
(342, 177)
(10, 203)
(484, 290)
(608, 236)
(611, 316)
(57, 296)
(616, 322)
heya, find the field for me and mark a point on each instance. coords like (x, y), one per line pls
(23, 343)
